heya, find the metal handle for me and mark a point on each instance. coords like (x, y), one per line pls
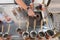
(19, 23)
(8, 28)
(7, 34)
(34, 24)
(27, 24)
(1, 33)
(2, 28)
(41, 24)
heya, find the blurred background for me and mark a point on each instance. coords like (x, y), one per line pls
(6, 7)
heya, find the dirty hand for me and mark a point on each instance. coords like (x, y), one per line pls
(31, 13)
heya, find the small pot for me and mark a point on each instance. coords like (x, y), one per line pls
(33, 34)
(49, 33)
(19, 30)
(5, 35)
(1, 34)
(41, 34)
(25, 34)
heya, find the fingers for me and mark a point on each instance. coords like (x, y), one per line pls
(31, 13)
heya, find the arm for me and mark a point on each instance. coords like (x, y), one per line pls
(24, 6)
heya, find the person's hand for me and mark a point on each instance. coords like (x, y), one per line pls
(31, 13)
(31, 6)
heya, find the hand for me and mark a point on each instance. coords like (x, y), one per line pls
(31, 13)
(31, 5)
